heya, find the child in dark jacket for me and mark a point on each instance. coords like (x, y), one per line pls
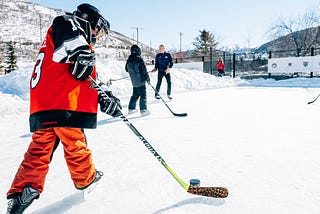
(138, 73)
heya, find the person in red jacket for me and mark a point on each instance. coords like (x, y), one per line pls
(62, 105)
(220, 67)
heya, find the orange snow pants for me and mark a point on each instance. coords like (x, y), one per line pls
(35, 165)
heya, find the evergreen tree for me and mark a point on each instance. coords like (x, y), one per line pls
(10, 59)
(203, 43)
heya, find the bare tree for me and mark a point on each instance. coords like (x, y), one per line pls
(302, 33)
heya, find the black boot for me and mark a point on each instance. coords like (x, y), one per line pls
(20, 201)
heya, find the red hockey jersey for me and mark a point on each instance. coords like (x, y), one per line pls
(57, 99)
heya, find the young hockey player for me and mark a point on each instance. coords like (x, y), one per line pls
(139, 76)
(62, 105)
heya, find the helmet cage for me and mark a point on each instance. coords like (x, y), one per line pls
(93, 16)
(103, 24)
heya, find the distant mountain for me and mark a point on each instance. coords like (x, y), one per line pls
(25, 24)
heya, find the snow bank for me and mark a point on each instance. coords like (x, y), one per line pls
(17, 82)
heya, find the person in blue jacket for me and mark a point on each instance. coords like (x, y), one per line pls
(163, 63)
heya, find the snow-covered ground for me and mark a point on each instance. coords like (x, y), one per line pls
(257, 138)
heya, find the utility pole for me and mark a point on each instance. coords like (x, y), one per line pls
(248, 41)
(137, 28)
(180, 33)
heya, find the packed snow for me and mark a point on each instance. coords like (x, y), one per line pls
(258, 138)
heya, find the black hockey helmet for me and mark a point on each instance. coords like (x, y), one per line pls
(135, 50)
(93, 16)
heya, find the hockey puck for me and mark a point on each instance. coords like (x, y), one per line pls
(195, 182)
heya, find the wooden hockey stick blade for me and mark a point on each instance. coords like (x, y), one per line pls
(215, 192)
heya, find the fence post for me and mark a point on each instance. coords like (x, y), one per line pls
(234, 66)
(270, 55)
(224, 59)
(211, 63)
(312, 54)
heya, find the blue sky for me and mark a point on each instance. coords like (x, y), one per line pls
(245, 23)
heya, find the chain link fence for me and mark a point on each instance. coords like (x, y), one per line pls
(248, 65)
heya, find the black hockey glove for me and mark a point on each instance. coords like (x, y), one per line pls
(83, 66)
(110, 105)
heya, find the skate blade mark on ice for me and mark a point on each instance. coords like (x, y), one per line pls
(92, 189)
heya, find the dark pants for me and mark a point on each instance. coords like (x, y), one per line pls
(138, 92)
(220, 73)
(168, 78)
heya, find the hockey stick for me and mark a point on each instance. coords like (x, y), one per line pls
(175, 114)
(122, 78)
(314, 99)
(216, 192)
(110, 80)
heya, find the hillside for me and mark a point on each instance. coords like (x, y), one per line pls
(286, 45)
(25, 24)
